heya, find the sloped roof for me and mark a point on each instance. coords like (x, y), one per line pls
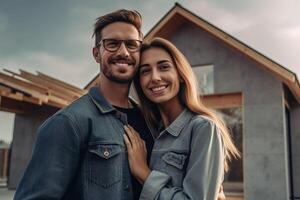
(37, 89)
(179, 15)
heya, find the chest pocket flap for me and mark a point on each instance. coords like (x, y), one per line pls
(106, 151)
(175, 159)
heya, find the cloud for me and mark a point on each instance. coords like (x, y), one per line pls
(293, 33)
(220, 17)
(3, 22)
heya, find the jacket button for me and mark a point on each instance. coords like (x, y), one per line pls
(126, 187)
(106, 153)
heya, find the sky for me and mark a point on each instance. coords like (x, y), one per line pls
(55, 37)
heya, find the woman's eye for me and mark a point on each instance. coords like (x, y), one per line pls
(164, 67)
(144, 71)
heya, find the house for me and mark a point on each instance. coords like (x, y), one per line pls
(259, 99)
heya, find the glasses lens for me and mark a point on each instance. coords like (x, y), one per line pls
(111, 44)
(132, 45)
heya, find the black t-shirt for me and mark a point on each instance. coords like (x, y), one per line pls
(136, 119)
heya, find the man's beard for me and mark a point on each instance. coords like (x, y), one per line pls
(107, 71)
(116, 79)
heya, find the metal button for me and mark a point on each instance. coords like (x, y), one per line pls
(106, 153)
(126, 187)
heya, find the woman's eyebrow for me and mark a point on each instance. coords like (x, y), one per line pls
(144, 65)
(163, 61)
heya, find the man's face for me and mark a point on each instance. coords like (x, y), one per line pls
(121, 65)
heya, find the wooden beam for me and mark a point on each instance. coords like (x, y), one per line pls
(34, 90)
(20, 97)
(61, 83)
(219, 101)
(16, 106)
(58, 101)
(5, 89)
(93, 83)
(55, 89)
(5, 153)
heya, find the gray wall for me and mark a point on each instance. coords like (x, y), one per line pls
(295, 132)
(24, 134)
(265, 172)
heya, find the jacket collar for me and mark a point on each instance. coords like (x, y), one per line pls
(101, 103)
(99, 100)
(177, 125)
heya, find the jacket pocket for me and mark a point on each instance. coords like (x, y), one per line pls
(105, 162)
(175, 159)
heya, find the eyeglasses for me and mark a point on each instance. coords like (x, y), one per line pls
(113, 45)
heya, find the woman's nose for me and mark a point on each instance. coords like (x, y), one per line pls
(156, 75)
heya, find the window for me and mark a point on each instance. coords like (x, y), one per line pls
(233, 180)
(205, 77)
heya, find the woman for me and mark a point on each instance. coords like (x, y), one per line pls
(193, 146)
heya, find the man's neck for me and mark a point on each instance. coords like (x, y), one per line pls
(115, 93)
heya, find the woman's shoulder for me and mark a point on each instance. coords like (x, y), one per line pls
(203, 126)
(199, 120)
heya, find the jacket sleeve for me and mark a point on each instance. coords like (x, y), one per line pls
(204, 173)
(54, 161)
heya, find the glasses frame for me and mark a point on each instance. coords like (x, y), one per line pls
(120, 43)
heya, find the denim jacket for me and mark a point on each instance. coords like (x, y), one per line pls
(187, 161)
(79, 154)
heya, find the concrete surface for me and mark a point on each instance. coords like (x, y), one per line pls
(6, 194)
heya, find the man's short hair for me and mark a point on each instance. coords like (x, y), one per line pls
(128, 16)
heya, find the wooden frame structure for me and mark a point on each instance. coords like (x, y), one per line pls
(21, 92)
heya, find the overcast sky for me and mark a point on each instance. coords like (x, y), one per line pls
(54, 37)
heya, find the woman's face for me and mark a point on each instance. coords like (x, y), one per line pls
(159, 78)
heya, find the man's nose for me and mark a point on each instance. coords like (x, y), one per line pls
(123, 50)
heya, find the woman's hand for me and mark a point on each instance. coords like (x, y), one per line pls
(137, 154)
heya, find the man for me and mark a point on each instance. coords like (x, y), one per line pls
(80, 152)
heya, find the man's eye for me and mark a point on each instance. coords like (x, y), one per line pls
(131, 45)
(112, 44)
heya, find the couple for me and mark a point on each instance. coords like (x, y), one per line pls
(103, 147)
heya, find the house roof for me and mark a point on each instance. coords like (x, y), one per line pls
(34, 89)
(178, 15)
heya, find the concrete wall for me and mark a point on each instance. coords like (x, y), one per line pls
(25, 127)
(295, 132)
(265, 172)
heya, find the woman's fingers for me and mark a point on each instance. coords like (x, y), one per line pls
(131, 136)
(136, 134)
(134, 137)
(127, 142)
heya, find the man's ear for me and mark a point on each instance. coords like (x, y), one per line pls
(96, 54)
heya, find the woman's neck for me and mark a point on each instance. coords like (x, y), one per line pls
(169, 111)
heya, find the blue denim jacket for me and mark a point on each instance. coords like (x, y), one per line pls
(187, 161)
(79, 154)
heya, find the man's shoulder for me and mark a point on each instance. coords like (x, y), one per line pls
(80, 107)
